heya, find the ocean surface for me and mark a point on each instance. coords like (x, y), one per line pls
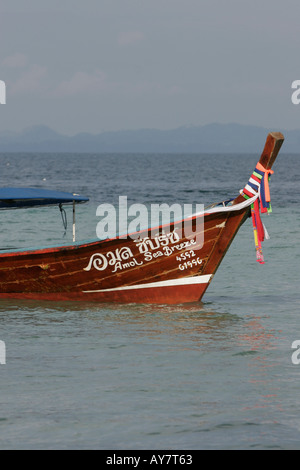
(211, 375)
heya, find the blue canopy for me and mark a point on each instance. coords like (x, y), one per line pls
(15, 198)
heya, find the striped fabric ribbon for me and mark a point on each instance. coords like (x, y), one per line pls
(260, 180)
(259, 183)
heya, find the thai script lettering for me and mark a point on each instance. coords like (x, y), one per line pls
(146, 244)
(164, 244)
(101, 261)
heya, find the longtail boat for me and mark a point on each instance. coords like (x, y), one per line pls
(167, 267)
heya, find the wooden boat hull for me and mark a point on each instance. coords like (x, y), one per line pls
(167, 268)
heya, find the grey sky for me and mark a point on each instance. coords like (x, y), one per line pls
(97, 65)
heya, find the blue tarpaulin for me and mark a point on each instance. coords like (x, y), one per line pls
(14, 198)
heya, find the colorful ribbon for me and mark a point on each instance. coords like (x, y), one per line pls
(265, 197)
(258, 231)
(259, 183)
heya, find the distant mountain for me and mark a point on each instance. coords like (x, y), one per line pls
(211, 138)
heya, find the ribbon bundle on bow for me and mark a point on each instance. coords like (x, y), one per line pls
(259, 183)
(264, 176)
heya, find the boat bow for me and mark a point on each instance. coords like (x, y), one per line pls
(165, 269)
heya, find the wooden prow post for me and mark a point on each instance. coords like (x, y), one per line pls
(272, 146)
(236, 219)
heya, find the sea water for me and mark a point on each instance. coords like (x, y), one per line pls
(212, 375)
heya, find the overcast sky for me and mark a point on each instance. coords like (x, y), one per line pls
(100, 65)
